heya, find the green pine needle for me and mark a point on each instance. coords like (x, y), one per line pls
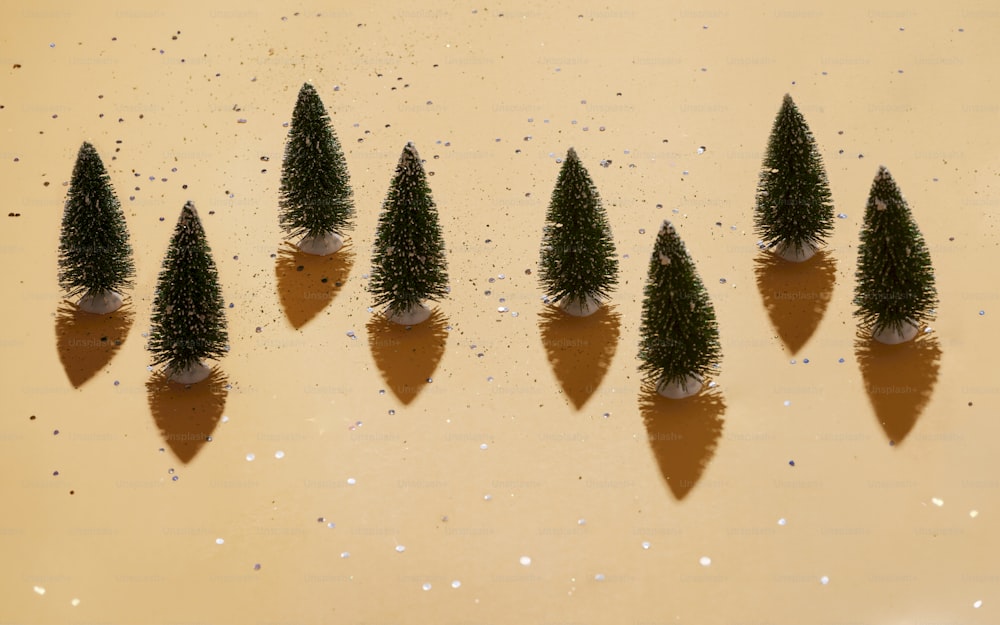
(679, 332)
(94, 250)
(408, 259)
(315, 194)
(188, 321)
(895, 278)
(578, 259)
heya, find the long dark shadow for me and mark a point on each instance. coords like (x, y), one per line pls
(795, 295)
(580, 349)
(899, 380)
(87, 342)
(407, 356)
(187, 414)
(683, 434)
(308, 283)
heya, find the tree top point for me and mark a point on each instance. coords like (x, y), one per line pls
(787, 99)
(666, 226)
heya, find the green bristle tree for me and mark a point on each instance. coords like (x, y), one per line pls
(895, 290)
(316, 201)
(579, 267)
(794, 213)
(679, 344)
(408, 259)
(188, 321)
(95, 256)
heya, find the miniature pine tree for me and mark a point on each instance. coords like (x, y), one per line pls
(578, 266)
(679, 343)
(408, 260)
(95, 257)
(316, 200)
(895, 290)
(188, 322)
(794, 211)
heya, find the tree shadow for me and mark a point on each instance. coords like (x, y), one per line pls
(580, 349)
(308, 283)
(899, 380)
(795, 294)
(683, 434)
(407, 356)
(187, 414)
(87, 342)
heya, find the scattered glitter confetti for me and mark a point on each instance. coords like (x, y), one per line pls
(279, 454)
(256, 567)
(352, 481)
(937, 502)
(977, 604)
(219, 541)
(824, 580)
(400, 548)
(75, 602)
(456, 584)
(973, 513)
(484, 446)
(782, 521)
(39, 590)
(599, 577)
(426, 586)
(705, 561)
(525, 561)
(645, 544)
(345, 554)
(250, 457)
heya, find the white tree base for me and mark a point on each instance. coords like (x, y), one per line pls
(193, 374)
(790, 253)
(674, 390)
(579, 308)
(100, 303)
(890, 336)
(323, 245)
(411, 316)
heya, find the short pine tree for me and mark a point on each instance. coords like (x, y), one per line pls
(679, 332)
(315, 196)
(578, 262)
(895, 279)
(408, 260)
(794, 208)
(95, 256)
(188, 321)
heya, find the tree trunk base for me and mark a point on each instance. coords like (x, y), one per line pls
(687, 387)
(411, 316)
(322, 245)
(890, 336)
(100, 303)
(790, 253)
(578, 308)
(191, 375)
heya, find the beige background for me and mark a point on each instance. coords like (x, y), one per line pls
(580, 468)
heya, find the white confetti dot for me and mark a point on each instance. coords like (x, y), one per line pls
(525, 561)
(225, 419)
(487, 497)
(581, 521)
(279, 454)
(705, 561)
(599, 577)
(456, 584)
(250, 457)
(977, 604)
(645, 544)
(824, 580)
(782, 521)
(74, 602)
(352, 481)
(788, 402)
(39, 590)
(973, 513)
(937, 502)
(400, 548)
(219, 541)
(345, 554)
(426, 586)
(484, 446)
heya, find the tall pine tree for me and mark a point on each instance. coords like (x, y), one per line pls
(794, 212)
(679, 343)
(188, 321)
(895, 290)
(316, 200)
(95, 256)
(408, 259)
(579, 268)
